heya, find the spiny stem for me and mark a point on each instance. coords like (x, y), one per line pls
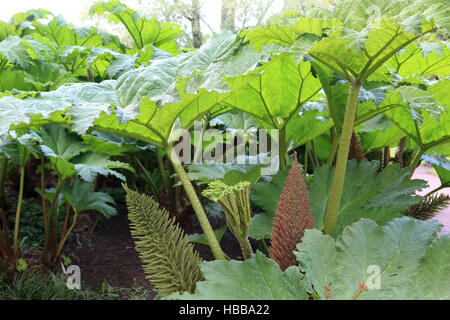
(149, 177)
(246, 248)
(342, 156)
(445, 185)
(362, 287)
(314, 154)
(262, 246)
(162, 169)
(283, 148)
(66, 222)
(44, 199)
(19, 207)
(334, 146)
(66, 235)
(3, 167)
(415, 163)
(305, 166)
(50, 250)
(196, 205)
(198, 148)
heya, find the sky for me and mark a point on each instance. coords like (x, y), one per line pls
(71, 10)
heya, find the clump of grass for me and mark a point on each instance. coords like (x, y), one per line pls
(31, 285)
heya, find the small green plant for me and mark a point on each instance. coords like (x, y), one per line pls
(66, 261)
(21, 265)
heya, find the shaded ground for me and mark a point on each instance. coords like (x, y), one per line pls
(110, 255)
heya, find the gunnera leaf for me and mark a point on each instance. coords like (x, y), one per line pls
(170, 262)
(257, 278)
(374, 262)
(292, 217)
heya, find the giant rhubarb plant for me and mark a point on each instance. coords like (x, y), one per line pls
(169, 259)
(401, 260)
(292, 217)
(355, 48)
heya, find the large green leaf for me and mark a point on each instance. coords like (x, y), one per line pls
(355, 38)
(421, 60)
(87, 101)
(229, 174)
(60, 146)
(275, 97)
(424, 121)
(154, 100)
(18, 113)
(257, 278)
(366, 193)
(105, 63)
(21, 52)
(432, 281)
(387, 260)
(57, 31)
(143, 31)
(278, 91)
(442, 166)
(13, 80)
(90, 164)
(145, 103)
(406, 110)
(287, 34)
(6, 30)
(45, 76)
(82, 197)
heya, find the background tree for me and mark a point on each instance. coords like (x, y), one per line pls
(228, 14)
(186, 13)
(194, 16)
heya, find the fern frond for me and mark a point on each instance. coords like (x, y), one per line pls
(429, 207)
(292, 217)
(170, 262)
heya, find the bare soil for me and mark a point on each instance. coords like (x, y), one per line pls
(109, 254)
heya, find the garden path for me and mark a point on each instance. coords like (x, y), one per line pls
(424, 172)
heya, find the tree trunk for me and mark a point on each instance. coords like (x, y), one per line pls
(197, 38)
(228, 15)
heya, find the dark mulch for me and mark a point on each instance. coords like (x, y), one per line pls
(109, 255)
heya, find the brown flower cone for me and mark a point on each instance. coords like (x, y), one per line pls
(292, 217)
(356, 151)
